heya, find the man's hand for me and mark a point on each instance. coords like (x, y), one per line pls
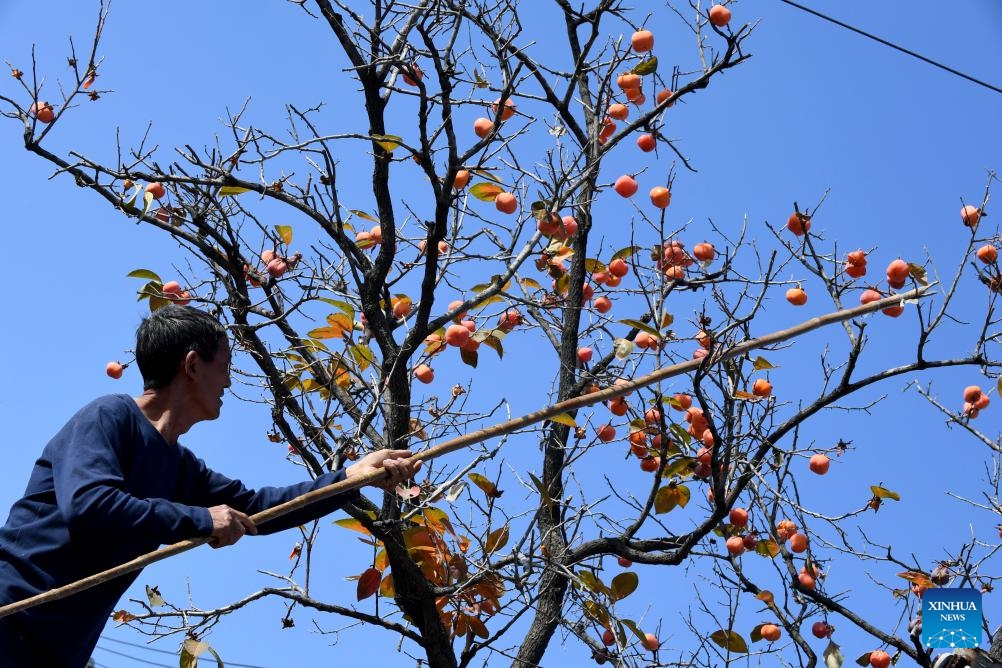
(229, 526)
(398, 463)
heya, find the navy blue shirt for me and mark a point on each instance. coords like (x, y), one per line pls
(107, 489)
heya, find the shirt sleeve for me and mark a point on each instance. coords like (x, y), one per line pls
(92, 495)
(216, 489)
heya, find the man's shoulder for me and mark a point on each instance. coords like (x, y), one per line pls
(110, 408)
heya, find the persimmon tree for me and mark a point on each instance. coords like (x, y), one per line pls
(362, 317)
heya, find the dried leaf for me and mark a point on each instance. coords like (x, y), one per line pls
(833, 656)
(122, 616)
(368, 583)
(153, 594)
(496, 540)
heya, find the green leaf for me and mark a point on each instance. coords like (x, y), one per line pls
(345, 307)
(679, 466)
(388, 142)
(541, 488)
(564, 419)
(623, 585)
(767, 548)
(469, 357)
(227, 191)
(761, 363)
(151, 289)
(591, 582)
(884, 493)
(285, 232)
(363, 355)
(629, 251)
(496, 540)
(144, 273)
(679, 433)
(642, 326)
(153, 594)
(188, 660)
(215, 654)
(596, 611)
(632, 625)
(730, 641)
(494, 342)
(649, 66)
(486, 192)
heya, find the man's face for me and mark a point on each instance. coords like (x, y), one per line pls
(211, 380)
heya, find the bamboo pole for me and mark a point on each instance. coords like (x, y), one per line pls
(472, 438)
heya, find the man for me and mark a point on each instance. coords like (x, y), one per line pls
(114, 483)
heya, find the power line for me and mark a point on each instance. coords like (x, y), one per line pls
(894, 46)
(133, 658)
(164, 651)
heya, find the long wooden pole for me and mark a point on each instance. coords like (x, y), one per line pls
(472, 438)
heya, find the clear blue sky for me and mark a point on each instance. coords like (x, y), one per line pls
(899, 143)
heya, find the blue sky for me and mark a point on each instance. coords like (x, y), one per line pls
(898, 143)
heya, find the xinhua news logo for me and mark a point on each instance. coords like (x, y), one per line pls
(951, 618)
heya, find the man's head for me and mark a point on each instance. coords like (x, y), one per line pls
(165, 338)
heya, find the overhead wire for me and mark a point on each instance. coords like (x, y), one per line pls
(164, 651)
(894, 46)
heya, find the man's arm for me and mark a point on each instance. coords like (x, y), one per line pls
(232, 503)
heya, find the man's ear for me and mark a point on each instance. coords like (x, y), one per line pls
(189, 364)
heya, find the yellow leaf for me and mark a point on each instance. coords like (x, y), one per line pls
(485, 485)
(388, 142)
(325, 333)
(386, 586)
(226, 191)
(642, 326)
(486, 192)
(762, 363)
(285, 232)
(730, 640)
(884, 493)
(353, 524)
(564, 419)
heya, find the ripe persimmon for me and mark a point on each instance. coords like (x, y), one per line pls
(42, 111)
(720, 15)
(156, 189)
(664, 95)
(585, 355)
(618, 406)
(457, 335)
(619, 111)
(972, 393)
(738, 517)
(412, 80)
(114, 370)
(798, 543)
(608, 637)
(628, 81)
(970, 214)
(682, 402)
(606, 433)
(819, 463)
(642, 41)
(735, 545)
(856, 257)
(821, 630)
(761, 388)
(770, 632)
(880, 659)
(988, 254)
(651, 642)
(660, 197)
(870, 295)
(704, 251)
(855, 270)
(806, 581)
(462, 178)
(650, 464)
(482, 127)
(647, 142)
(798, 223)
(506, 203)
(424, 373)
(626, 186)
(602, 304)
(507, 112)
(618, 267)
(796, 296)
(897, 272)
(785, 528)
